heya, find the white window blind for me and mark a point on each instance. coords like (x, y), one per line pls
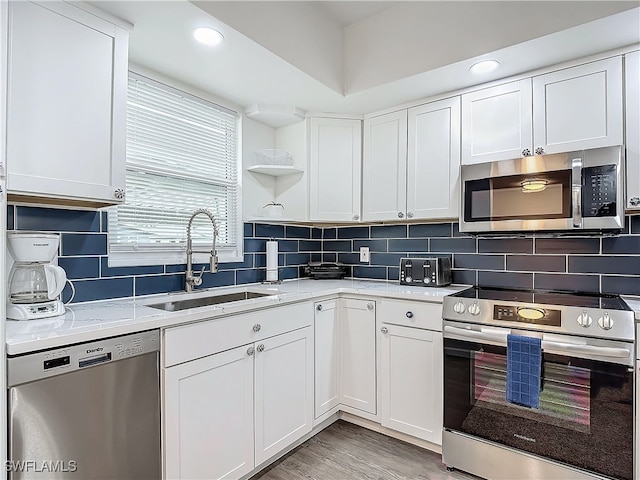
(182, 154)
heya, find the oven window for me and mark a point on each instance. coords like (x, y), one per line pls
(585, 417)
(519, 197)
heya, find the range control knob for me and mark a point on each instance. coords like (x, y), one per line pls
(426, 280)
(459, 307)
(605, 321)
(408, 279)
(474, 309)
(584, 320)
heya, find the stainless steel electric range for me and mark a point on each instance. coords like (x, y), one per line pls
(583, 424)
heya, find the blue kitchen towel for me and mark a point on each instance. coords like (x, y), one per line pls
(524, 362)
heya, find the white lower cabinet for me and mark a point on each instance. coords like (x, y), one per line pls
(283, 391)
(411, 381)
(209, 417)
(358, 355)
(228, 412)
(410, 368)
(345, 357)
(327, 372)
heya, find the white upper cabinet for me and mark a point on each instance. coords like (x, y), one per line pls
(578, 107)
(384, 167)
(411, 162)
(569, 109)
(496, 122)
(335, 159)
(66, 116)
(632, 116)
(433, 160)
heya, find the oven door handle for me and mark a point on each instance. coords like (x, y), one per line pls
(590, 350)
(494, 337)
(557, 347)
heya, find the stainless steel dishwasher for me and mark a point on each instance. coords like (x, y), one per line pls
(86, 411)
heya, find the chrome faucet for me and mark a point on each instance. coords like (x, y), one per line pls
(192, 280)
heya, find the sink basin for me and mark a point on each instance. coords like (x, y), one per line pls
(177, 305)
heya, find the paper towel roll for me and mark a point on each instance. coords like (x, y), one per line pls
(272, 261)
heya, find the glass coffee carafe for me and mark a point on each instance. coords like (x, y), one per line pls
(35, 281)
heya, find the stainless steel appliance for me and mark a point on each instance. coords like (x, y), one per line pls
(581, 190)
(425, 272)
(86, 411)
(35, 283)
(637, 419)
(325, 270)
(583, 426)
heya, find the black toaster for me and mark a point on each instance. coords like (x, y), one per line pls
(425, 272)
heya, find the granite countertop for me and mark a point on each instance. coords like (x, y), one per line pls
(94, 320)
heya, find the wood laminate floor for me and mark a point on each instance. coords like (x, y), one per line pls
(344, 451)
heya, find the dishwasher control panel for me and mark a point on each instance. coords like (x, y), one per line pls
(37, 365)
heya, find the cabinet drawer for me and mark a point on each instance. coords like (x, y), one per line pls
(189, 342)
(411, 314)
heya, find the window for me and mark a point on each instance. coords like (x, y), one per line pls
(182, 154)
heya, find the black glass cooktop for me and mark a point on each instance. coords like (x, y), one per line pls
(586, 300)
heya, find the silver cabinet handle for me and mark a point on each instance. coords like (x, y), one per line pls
(356, 217)
(319, 307)
(539, 151)
(634, 201)
(526, 152)
(250, 351)
(409, 314)
(409, 214)
(369, 306)
(119, 193)
(257, 327)
(400, 215)
(384, 329)
(261, 347)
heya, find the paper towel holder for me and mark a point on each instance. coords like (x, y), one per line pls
(271, 250)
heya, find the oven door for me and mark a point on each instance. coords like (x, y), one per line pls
(585, 418)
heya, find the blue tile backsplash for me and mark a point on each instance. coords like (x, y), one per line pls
(607, 264)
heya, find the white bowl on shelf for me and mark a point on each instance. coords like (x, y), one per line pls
(273, 156)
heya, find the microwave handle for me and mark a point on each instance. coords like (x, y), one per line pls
(576, 191)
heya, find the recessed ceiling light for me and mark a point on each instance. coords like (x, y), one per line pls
(208, 36)
(485, 66)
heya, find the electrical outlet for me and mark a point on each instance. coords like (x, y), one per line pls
(364, 254)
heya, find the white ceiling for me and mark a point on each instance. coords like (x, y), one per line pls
(361, 57)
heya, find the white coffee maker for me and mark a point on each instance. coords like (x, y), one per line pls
(35, 283)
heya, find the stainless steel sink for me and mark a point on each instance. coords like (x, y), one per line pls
(177, 305)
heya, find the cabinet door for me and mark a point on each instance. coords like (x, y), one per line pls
(496, 122)
(411, 381)
(358, 355)
(66, 104)
(334, 169)
(632, 141)
(384, 167)
(208, 416)
(434, 160)
(579, 107)
(283, 391)
(327, 373)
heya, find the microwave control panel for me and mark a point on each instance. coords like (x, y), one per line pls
(599, 191)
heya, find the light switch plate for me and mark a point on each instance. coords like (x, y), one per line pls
(364, 254)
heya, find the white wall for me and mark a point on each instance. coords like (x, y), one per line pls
(291, 190)
(376, 47)
(257, 189)
(301, 33)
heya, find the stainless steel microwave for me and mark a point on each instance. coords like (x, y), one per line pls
(581, 190)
